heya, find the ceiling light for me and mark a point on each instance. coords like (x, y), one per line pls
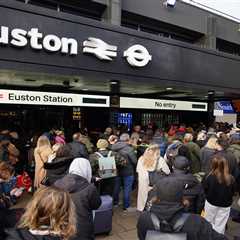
(114, 82)
(169, 88)
(85, 89)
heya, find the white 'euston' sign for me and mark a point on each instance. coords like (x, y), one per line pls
(136, 55)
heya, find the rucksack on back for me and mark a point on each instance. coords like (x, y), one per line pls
(107, 166)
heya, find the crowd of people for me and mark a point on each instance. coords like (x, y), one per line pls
(186, 179)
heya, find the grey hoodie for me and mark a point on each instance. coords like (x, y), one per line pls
(127, 151)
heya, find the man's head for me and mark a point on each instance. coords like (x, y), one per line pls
(181, 163)
(137, 128)
(108, 131)
(76, 137)
(169, 190)
(124, 137)
(188, 137)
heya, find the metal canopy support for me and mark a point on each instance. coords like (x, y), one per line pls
(113, 12)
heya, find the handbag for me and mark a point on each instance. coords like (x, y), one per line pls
(155, 175)
(176, 228)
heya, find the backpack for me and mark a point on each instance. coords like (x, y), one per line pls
(107, 166)
(172, 150)
(172, 232)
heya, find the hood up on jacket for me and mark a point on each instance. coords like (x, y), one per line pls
(72, 183)
(119, 145)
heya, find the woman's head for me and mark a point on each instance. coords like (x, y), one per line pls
(6, 171)
(82, 168)
(151, 155)
(212, 143)
(63, 151)
(53, 209)
(188, 137)
(219, 168)
(43, 141)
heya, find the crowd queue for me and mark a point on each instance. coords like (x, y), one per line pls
(185, 179)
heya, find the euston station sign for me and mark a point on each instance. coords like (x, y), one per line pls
(143, 103)
(136, 55)
(50, 98)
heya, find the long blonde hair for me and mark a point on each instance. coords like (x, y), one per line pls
(150, 156)
(42, 142)
(53, 209)
(212, 143)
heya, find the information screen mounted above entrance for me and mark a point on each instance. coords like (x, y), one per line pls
(52, 98)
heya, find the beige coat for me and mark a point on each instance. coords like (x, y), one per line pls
(143, 180)
(41, 156)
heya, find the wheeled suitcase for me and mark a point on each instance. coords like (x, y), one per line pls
(103, 216)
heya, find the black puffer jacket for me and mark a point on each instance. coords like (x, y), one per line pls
(196, 227)
(193, 190)
(86, 199)
(57, 169)
(206, 155)
(127, 151)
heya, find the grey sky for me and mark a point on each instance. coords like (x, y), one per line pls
(230, 7)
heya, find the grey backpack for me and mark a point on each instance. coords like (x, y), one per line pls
(175, 235)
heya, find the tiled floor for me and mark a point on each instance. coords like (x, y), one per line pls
(124, 224)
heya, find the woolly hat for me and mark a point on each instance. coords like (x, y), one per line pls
(102, 144)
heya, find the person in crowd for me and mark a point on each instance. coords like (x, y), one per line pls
(49, 216)
(194, 150)
(41, 154)
(229, 156)
(207, 152)
(167, 206)
(106, 185)
(219, 187)
(150, 161)
(160, 139)
(201, 139)
(137, 130)
(126, 173)
(107, 133)
(60, 137)
(55, 148)
(78, 149)
(235, 146)
(59, 166)
(193, 191)
(4, 141)
(84, 139)
(84, 195)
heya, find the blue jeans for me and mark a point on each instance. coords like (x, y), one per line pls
(127, 190)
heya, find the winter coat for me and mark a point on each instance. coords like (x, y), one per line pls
(127, 151)
(196, 227)
(57, 169)
(24, 234)
(235, 149)
(41, 156)
(193, 190)
(143, 180)
(206, 155)
(194, 151)
(86, 199)
(78, 150)
(218, 194)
